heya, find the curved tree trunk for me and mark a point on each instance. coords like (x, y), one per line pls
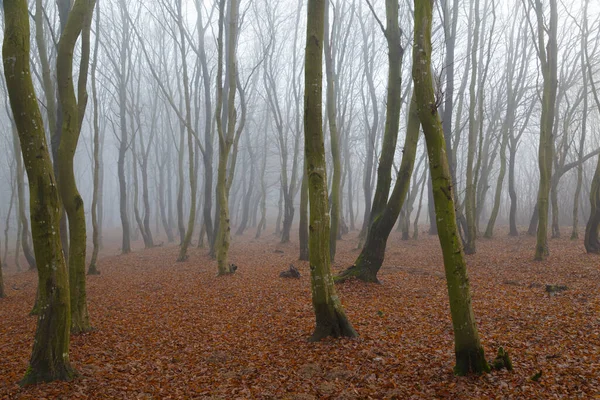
(371, 258)
(73, 109)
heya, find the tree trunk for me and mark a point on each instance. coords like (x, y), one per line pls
(331, 319)
(592, 229)
(548, 58)
(248, 195)
(23, 234)
(334, 140)
(577, 196)
(93, 268)
(50, 355)
(469, 351)
(303, 228)
(470, 200)
(512, 192)
(123, 140)
(371, 258)
(225, 138)
(489, 231)
(73, 109)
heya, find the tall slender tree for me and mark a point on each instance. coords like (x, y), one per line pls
(73, 109)
(469, 352)
(547, 53)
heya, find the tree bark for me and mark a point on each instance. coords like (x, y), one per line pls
(50, 355)
(331, 319)
(469, 351)
(93, 268)
(548, 59)
(73, 109)
(371, 258)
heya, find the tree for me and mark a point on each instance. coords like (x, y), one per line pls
(369, 261)
(584, 75)
(469, 352)
(227, 135)
(73, 109)
(97, 181)
(50, 355)
(592, 229)
(371, 258)
(470, 192)
(334, 135)
(331, 319)
(547, 53)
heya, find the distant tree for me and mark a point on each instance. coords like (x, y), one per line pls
(469, 352)
(97, 174)
(331, 319)
(50, 355)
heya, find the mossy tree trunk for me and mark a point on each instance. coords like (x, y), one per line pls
(371, 258)
(23, 233)
(227, 135)
(369, 261)
(73, 109)
(331, 319)
(547, 53)
(469, 351)
(50, 355)
(303, 227)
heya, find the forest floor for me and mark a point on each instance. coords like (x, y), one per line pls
(174, 330)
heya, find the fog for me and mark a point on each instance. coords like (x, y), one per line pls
(150, 103)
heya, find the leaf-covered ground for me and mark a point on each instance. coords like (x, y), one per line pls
(175, 330)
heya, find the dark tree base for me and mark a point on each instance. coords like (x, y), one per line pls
(471, 361)
(356, 272)
(35, 375)
(93, 270)
(331, 323)
(78, 330)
